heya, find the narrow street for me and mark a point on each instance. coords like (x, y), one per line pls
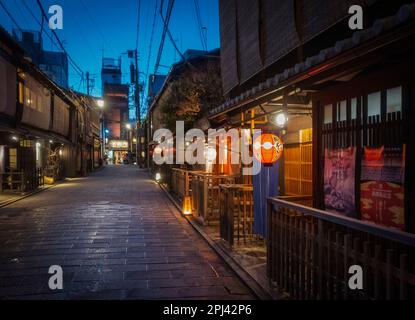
(116, 236)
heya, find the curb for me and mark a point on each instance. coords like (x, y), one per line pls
(242, 274)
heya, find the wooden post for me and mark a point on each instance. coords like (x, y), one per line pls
(409, 139)
(318, 163)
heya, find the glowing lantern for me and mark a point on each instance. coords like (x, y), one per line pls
(268, 148)
(187, 206)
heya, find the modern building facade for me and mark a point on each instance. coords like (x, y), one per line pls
(54, 64)
(118, 132)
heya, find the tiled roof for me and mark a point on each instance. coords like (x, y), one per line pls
(405, 14)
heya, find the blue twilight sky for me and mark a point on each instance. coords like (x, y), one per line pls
(93, 28)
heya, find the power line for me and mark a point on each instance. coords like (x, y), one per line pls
(150, 48)
(200, 25)
(71, 61)
(138, 25)
(37, 20)
(10, 15)
(165, 29)
(91, 18)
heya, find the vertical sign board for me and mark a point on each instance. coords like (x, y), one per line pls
(339, 181)
(382, 187)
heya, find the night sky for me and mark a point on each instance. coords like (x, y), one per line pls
(93, 28)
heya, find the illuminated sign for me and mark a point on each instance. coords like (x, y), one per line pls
(118, 145)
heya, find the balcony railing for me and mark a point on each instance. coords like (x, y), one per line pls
(310, 252)
(205, 195)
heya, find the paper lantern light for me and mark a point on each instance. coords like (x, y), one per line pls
(268, 148)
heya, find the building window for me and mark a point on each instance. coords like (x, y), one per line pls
(373, 104)
(394, 100)
(342, 111)
(354, 108)
(26, 143)
(328, 114)
(13, 158)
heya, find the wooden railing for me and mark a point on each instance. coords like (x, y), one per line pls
(236, 213)
(205, 195)
(310, 252)
(181, 182)
(20, 181)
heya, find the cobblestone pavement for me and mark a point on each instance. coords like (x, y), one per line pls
(116, 236)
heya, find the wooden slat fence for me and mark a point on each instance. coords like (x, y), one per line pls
(310, 252)
(236, 213)
(205, 195)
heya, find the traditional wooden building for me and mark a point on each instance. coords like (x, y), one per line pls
(342, 102)
(191, 84)
(44, 129)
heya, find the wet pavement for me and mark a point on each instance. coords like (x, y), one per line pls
(116, 236)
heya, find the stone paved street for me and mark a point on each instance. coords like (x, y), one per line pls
(116, 236)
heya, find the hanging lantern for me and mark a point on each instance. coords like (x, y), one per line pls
(268, 148)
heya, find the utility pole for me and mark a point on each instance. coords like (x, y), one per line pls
(138, 110)
(133, 54)
(87, 83)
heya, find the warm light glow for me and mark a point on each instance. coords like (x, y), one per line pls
(187, 206)
(100, 103)
(135, 140)
(60, 152)
(210, 154)
(281, 120)
(158, 177)
(128, 126)
(268, 148)
(15, 138)
(158, 150)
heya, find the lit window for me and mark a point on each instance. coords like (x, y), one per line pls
(13, 158)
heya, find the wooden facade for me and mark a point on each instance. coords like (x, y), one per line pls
(257, 34)
(41, 132)
(359, 89)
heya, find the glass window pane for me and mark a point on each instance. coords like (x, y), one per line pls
(373, 104)
(354, 108)
(342, 113)
(328, 114)
(394, 100)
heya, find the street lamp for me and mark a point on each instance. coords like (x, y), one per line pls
(101, 103)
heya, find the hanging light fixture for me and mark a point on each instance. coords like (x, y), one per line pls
(281, 120)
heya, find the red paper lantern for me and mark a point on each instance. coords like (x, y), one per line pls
(268, 148)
